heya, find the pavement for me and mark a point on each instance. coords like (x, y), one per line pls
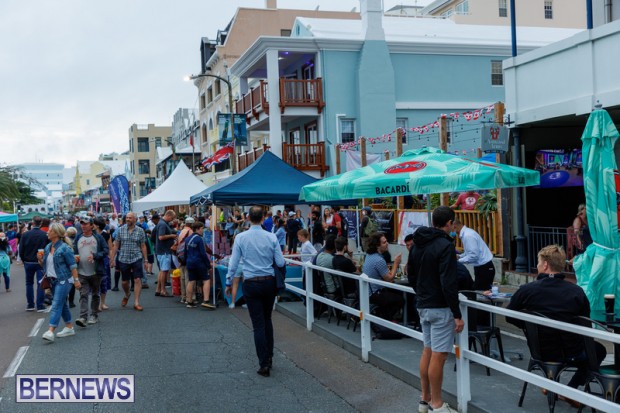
(194, 360)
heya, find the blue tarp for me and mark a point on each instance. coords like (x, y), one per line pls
(268, 181)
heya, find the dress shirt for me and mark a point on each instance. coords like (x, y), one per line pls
(259, 249)
(475, 251)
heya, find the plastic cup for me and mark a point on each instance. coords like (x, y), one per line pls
(40, 253)
(495, 289)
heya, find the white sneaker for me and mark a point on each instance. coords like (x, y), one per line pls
(422, 407)
(445, 408)
(48, 336)
(92, 319)
(66, 332)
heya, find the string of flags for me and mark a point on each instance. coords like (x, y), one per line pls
(387, 137)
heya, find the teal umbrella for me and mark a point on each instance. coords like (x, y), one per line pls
(421, 171)
(598, 268)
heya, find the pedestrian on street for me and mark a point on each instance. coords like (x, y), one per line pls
(5, 261)
(60, 267)
(130, 244)
(432, 273)
(259, 250)
(166, 237)
(198, 267)
(90, 249)
(31, 242)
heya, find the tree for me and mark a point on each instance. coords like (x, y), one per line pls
(12, 190)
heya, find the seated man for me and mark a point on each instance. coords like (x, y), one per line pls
(388, 301)
(325, 259)
(553, 297)
(343, 263)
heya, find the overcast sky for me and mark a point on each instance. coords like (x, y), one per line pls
(75, 74)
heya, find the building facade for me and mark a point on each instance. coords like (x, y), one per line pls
(143, 143)
(46, 179)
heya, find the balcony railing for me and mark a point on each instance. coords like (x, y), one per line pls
(246, 159)
(305, 157)
(293, 93)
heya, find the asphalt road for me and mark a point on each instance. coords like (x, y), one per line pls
(193, 360)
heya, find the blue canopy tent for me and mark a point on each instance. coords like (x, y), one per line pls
(268, 181)
(5, 217)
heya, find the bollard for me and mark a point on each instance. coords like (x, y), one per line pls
(176, 282)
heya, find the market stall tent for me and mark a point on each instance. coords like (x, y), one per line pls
(4, 217)
(176, 190)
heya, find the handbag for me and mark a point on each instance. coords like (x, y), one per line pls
(45, 283)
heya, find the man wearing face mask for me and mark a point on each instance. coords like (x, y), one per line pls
(476, 253)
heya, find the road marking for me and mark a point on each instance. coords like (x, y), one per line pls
(37, 326)
(17, 360)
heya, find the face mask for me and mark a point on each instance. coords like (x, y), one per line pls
(453, 234)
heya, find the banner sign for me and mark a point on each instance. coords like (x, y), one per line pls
(494, 138)
(351, 218)
(225, 130)
(409, 222)
(119, 192)
(385, 222)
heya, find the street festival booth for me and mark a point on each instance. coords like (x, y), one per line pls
(176, 190)
(267, 181)
(4, 217)
(598, 268)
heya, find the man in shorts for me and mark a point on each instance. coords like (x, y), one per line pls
(166, 237)
(432, 273)
(130, 244)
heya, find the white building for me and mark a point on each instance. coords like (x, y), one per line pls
(46, 179)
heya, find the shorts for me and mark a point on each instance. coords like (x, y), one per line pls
(150, 258)
(164, 261)
(198, 275)
(133, 270)
(437, 329)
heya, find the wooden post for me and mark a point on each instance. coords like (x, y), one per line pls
(443, 145)
(337, 159)
(387, 155)
(400, 201)
(499, 111)
(363, 160)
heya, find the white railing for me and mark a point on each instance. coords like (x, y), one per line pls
(463, 354)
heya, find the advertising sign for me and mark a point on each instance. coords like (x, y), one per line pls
(225, 129)
(494, 138)
(119, 192)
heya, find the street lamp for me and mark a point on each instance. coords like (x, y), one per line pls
(230, 105)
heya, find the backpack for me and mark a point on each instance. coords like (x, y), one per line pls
(344, 225)
(182, 249)
(371, 227)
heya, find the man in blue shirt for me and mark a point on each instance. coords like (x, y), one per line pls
(259, 250)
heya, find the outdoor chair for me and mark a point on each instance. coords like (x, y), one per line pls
(551, 369)
(607, 377)
(350, 299)
(479, 333)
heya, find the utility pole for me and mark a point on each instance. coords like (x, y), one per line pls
(400, 201)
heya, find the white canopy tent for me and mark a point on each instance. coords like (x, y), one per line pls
(176, 190)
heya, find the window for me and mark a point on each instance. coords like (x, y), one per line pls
(216, 87)
(157, 142)
(312, 135)
(143, 189)
(143, 144)
(347, 130)
(286, 33)
(447, 14)
(503, 8)
(294, 136)
(462, 8)
(210, 95)
(402, 123)
(548, 9)
(88, 182)
(131, 145)
(203, 103)
(144, 167)
(497, 74)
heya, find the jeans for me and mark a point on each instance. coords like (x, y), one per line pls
(89, 284)
(33, 269)
(260, 296)
(59, 303)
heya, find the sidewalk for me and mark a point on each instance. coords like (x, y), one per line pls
(490, 394)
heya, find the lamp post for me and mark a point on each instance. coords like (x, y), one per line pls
(232, 112)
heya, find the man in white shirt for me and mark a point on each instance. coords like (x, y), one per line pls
(476, 253)
(113, 222)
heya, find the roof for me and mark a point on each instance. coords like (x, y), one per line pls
(436, 31)
(176, 190)
(187, 150)
(163, 153)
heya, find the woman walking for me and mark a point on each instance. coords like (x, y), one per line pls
(5, 261)
(59, 266)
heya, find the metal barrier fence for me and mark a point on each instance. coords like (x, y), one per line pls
(463, 354)
(539, 237)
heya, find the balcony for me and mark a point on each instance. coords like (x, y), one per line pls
(305, 157)
(293, 93)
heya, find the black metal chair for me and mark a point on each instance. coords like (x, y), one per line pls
(481, 330)
(551, 369)
(607, 377)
